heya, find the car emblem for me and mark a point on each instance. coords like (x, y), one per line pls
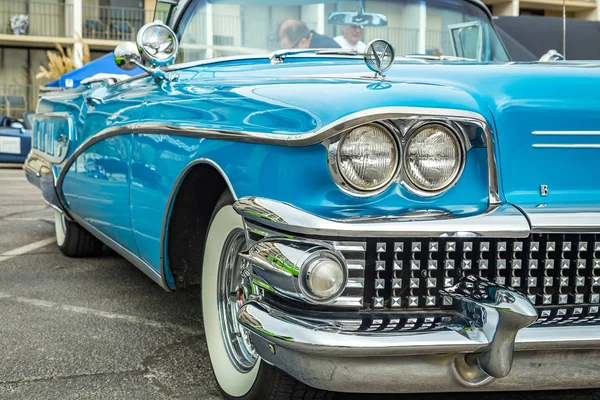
(379, 56)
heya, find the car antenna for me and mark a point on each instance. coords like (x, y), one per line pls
(564, 52)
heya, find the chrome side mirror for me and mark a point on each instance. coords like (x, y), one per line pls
(157, 46)
(127, 56)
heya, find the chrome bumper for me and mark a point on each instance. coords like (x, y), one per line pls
(326, 355)
(486, 344)
(38, 172)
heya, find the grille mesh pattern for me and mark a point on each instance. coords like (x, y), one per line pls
(551, 269)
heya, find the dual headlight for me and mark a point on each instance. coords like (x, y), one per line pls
(369, 158)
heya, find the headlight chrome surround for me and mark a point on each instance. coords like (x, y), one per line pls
(459, 138)
(344, 182)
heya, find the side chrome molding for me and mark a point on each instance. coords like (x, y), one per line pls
(132, 258)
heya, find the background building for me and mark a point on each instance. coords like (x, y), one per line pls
(580, 9)
(103, 24)
(223, 29)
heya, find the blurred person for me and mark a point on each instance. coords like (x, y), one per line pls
(294, 34)
(352, 38)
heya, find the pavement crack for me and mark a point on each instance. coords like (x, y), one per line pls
(22, 212)
(101, 314)
(150, 362)
(132, 372)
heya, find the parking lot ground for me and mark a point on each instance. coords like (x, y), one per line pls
(100, 329)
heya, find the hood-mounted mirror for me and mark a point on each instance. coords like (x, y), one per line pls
(156, 47)
(357, 18)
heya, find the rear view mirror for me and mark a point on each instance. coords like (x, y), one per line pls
(357, 19)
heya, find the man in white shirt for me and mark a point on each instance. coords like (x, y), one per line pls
(352, 38)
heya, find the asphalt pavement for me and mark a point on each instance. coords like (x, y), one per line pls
(98, 328)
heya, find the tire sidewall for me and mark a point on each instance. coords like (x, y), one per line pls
(233, 382)
(60, 228)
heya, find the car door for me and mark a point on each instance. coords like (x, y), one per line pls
(97, 185)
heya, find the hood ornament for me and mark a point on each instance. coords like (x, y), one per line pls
(379, 56)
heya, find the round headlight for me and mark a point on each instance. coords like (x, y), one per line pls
(433, 158)
(368, 157)
(324, 277)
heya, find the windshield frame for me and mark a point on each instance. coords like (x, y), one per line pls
(180, 14)
(183, 5)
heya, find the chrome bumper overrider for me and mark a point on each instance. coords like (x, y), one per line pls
(487, 342)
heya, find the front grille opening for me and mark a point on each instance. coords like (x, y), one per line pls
(551, 269)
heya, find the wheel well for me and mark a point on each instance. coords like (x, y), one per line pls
(188, 224)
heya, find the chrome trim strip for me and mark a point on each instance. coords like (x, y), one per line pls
(566, 133)
(220, 60)
(358, 265)
(69, 136)
(558, 338)
(492, 167)
(299, 139)
(500, 221)
(129, 256)
(358, 283)
(169, 207)
(326, 338)
(349, 246)
(566, 146)
(563, 220)
(348, 301)
(292, 140)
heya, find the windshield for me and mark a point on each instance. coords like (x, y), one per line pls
(446, 28)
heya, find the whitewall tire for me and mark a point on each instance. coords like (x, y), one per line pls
(234, 380)
(60, 228)
(240, 373)
(73, 240)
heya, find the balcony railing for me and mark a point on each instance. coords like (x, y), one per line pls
(17, 99)
(114, 23)
(45, 19)
(56, 19)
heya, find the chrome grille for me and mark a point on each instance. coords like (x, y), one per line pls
(551, 269)
(354, 254)
(433, 321)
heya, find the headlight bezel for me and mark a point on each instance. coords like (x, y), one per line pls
(333, 147)
(457, 133)
(402, 129)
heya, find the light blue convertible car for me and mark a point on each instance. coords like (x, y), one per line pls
(356, 226)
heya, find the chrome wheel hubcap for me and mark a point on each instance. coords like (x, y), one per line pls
(230, 297)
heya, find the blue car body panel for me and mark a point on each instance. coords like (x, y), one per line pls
(123, 184)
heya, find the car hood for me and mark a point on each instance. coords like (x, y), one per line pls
(538, 112)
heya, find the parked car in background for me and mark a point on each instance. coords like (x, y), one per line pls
(420, 217)
(15, 139)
